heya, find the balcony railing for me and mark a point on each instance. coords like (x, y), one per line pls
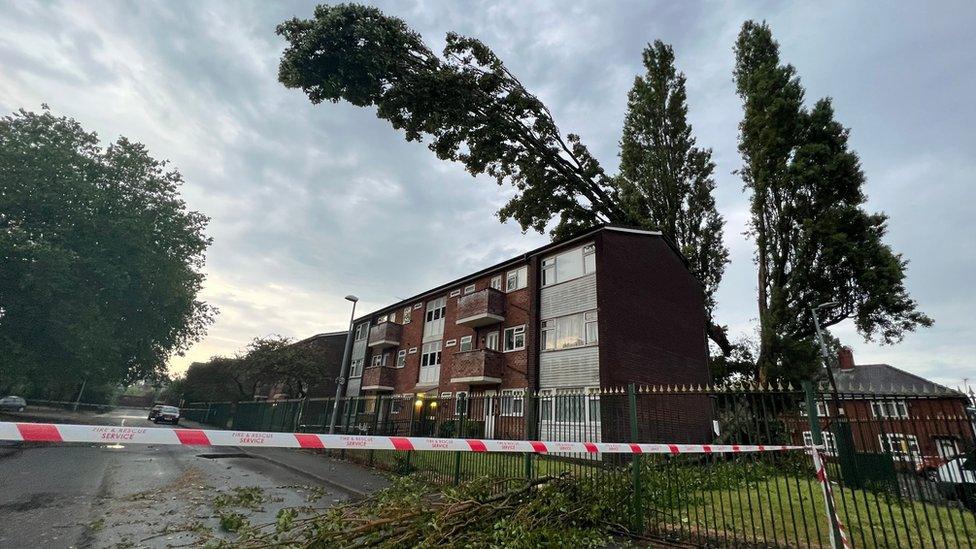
(478, 367)
(481, 308)
(385, 334)
(378, 378)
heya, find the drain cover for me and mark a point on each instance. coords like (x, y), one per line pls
(223, 456)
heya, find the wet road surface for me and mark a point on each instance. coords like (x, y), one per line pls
(93, 495)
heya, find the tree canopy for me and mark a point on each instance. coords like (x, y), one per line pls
(466, 102)
(814, 241)
(100, 259)
(665, 180)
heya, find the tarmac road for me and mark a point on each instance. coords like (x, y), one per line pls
(95, 495)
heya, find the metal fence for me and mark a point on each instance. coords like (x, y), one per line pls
(892, 456)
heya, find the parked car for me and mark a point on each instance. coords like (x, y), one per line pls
(154, 411)
(166, 414)
(957, 479)
(13, 404)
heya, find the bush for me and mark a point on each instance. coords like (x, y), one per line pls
(471, 429)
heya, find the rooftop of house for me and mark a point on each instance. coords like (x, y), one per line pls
(885, 379)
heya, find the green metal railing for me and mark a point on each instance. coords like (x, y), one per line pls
(888, 491)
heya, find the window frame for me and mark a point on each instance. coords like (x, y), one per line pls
(830, 442)
(521, 279)
(458, 398)
(407, 313)
(508, 399)
(469, 289)
(493, 335)
(913, 455)
(496, 282)
(353, 372)
(401, 359)
(516, 331)
(550, 335)
(585, 255)
(899, 407)
(465, 339)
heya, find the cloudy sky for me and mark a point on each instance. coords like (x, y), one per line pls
(310, 203)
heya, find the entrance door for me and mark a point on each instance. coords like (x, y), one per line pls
(489, 399)
(946, 447)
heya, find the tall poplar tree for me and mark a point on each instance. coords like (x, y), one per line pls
(814, 241)
(666, 181)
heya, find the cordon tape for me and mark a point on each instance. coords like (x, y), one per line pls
(104, 434)
(50, 432)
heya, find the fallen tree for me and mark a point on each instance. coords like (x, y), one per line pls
(549, 511)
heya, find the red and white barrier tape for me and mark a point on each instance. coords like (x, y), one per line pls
(829, 501)
(47, 432)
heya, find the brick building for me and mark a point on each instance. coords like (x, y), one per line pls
(326, 349)
(604, 308)
(916, 421)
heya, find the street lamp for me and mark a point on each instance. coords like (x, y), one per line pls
(825, 354)
(344, 366)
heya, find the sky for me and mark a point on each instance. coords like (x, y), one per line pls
(309, 203)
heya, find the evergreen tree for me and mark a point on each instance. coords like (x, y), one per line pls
(814, 241)
(666, 181)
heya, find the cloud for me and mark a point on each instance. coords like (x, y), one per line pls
(310, 203)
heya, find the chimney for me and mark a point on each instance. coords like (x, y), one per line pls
(845, 358)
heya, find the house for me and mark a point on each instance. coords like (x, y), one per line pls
(890, 411)
(604, 308)
(326, 350)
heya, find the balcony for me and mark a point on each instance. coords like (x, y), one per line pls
(385, 334)
(478, 367)
(378, 378)
(481, 308)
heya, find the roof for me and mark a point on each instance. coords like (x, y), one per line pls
(521, 258)
(885, 379)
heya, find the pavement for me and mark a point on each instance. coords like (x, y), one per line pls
(121, 496)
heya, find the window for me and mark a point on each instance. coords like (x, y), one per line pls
(822, 409)
(491, 341)
(430, 362)
(356, 367)
(401, 359)
(515, 338)
(434, 325)
(569, 406)
(362, 331)
(901, 447)
(392, 317)
(517, 279)
(469, 289)
(377, 360)
(465, 344)
(455, 293)
(461, 403)
(545, 405)
(396, 405)
(569, 331)
(450, 343)
(496, 282)
(890, 409)
(569, 265)
(829, 441)
(417, 305)
(512, 402)
(381, 318)
(406, 315)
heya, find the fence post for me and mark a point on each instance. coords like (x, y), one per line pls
(635, 464)
(460, 422)
(811, 401)
(531, 428)
(378, 407)
(206, 418)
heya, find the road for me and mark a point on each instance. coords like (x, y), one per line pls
(76, 495)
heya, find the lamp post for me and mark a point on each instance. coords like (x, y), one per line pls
(823, 351)
(344, 367)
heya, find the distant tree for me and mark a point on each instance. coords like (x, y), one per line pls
(814, 241)
(666, 181)
(100, 260)
(213, 381)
